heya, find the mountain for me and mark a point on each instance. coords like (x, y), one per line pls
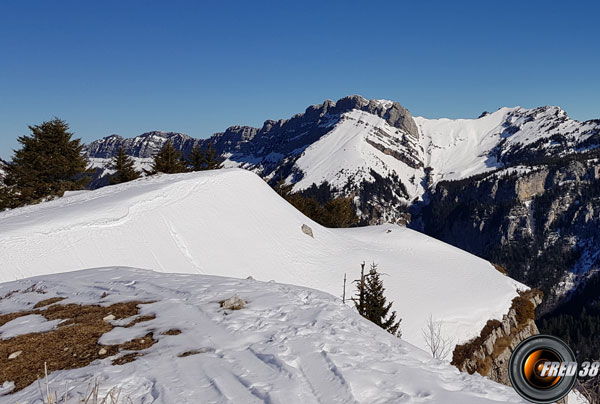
(231, 223)
(157, 337)
(376, 151)
(518, 186)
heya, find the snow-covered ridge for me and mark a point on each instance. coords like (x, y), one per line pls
(354, 142)
(460, 148)
(231, 223)
(287, 345)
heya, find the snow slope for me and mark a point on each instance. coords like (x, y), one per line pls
(344, 153)
(460, 148)
(229, 222)
(288, 345)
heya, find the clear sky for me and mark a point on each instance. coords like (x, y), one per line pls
(198, 67)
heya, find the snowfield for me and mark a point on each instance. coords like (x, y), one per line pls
(344, 153)
(231, 223)
(287, 345)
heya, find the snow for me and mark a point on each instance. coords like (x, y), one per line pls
(343, 154)
(288, 345)
(231, 223)
(458, 148)
(25, 325)
(105, 164)
(576, 397)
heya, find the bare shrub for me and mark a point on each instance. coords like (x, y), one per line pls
(439, 346)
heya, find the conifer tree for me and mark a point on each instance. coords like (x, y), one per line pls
(197, 159)
(372, 304)
(168, 160)
(48, 164)
(124, 165)
(211, 160)
(204, 159)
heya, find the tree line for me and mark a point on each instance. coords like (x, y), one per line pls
(50, 162)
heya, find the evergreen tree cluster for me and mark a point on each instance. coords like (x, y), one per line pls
(171, 161)
(336, 212)
(48, 163)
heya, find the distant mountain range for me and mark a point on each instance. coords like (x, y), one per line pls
(518, 186)
(345, 146)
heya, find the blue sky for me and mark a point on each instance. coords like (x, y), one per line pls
(197, 67)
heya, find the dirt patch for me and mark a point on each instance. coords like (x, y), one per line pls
(48, 302)
(500, 269)
(172, 331)
(195, 352)
(130, 357)
(140, 319)
(74, 344)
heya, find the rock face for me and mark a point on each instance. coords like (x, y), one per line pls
(489, 353)
(539, 222)
(532, 185)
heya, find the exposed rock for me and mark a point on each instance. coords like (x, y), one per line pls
(489, 353)
(15, 355)
(108, 318)
(531, 185)
(307, 230)
(102, 351)
(233, 303)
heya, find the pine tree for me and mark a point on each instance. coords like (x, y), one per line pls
(197, 159)
(372, 303)
(212, 162)
(168, 160)
(124, 165)
(48, 164)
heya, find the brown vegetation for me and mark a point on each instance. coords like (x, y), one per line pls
(73, 344)
(172, 331)
(48, 302)
(524, 312)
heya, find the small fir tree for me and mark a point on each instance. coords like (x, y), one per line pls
(372, 303)
(48, 164)
(211, 160)
(124, 165)
(168, 160)
(204, 159)
(197, 158)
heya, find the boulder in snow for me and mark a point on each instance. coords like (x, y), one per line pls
(233, 303)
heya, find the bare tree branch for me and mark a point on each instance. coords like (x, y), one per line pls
(439, 346)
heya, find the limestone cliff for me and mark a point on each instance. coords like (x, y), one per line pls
(489, 353)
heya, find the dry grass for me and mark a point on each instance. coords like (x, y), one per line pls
(195, 352)
(140, 319)
(500, 269)
(172, 331)
(73, 344)
(524, 312)
(48, 302)
(130, 357)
